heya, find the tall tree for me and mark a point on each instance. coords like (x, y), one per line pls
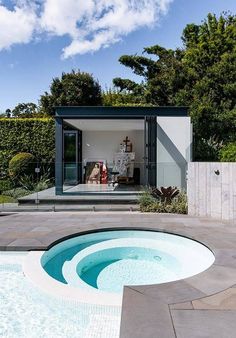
(211, 58)
(201, 75)
(118, 97)
(72, 89)
(29, 109)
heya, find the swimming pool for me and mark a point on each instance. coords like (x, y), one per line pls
(95, 267)
(27, 311)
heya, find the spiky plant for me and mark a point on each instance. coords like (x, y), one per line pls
(166, 195)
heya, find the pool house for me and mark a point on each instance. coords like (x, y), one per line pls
(103, 150)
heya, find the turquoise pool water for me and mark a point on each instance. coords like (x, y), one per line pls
(131, 266)
(28, 312)
(107, 261)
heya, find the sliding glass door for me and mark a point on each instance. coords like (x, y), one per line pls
(71, 157)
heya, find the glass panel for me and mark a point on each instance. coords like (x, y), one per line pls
(69, 147)
(70, 158)
(110, 157)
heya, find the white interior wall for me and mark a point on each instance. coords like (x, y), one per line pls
(104, 144)
(174, 144)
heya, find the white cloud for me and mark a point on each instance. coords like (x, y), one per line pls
(90, 24)
(17, 25)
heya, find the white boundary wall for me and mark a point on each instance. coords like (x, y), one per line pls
(211, 189)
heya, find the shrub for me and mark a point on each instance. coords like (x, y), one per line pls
(228, 153)
(29, 182)
(21, 164)
(5, 185)
(43, 184)
(5, 156)
(208, 149)
(6, 199)
(177, 205)
(146, 199)
(166, 195)
(17, 192)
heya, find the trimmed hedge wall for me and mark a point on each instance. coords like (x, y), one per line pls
(32, 135)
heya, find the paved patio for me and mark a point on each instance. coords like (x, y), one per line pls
(201, 306)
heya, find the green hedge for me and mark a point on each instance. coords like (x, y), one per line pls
(228, 153)
(31, 135)
(5, 185)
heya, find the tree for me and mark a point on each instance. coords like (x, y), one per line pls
(115, 97)
(8, 113)
(201, 75)
(211, 57)
(29, 109)
(162, 75)
(72, 89)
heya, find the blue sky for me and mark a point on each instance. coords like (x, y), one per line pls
(37, 44)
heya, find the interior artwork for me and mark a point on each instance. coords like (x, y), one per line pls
(95, 172)
(124, 161)
(124, 164)
(126, 146)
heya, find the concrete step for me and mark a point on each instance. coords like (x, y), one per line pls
(81, 200)
(14, 207)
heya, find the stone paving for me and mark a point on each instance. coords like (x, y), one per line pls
(200, 306)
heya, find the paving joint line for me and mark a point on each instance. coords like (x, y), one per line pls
(172, 321)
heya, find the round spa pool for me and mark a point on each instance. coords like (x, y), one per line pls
(103, 262)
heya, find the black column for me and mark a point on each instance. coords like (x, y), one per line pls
(152, 151)
(59, 157)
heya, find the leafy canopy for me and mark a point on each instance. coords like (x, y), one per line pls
(29, 109)
(201, 75)
(72, 89)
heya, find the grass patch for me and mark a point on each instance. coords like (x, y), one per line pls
(7, 199)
